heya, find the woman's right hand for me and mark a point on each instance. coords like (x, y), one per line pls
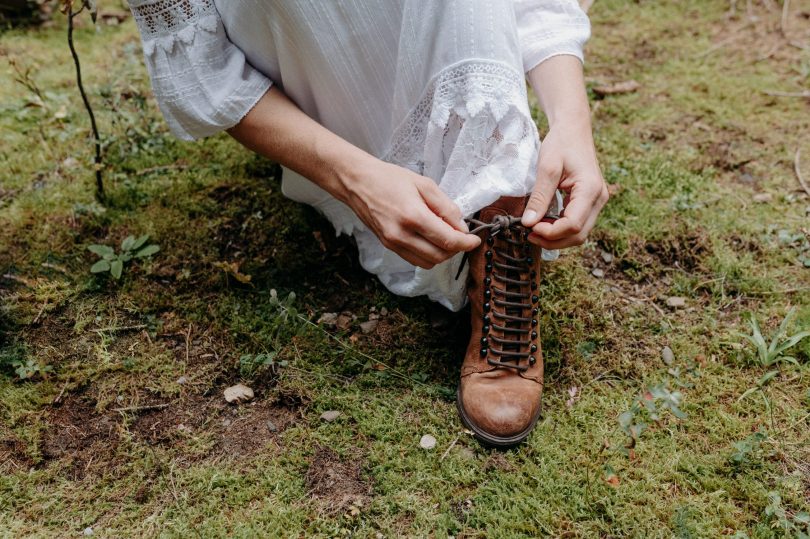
(408, 213)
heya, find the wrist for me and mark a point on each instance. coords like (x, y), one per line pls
(344, 166)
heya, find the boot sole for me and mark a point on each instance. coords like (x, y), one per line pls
(490, 439)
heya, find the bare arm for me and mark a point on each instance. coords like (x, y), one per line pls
(408, 212)
(567, 156)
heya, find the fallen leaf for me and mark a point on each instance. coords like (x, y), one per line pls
(232, 269)
(344, 320)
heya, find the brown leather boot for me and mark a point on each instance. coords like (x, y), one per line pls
(502, 374)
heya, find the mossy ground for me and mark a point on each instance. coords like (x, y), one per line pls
(687, 155)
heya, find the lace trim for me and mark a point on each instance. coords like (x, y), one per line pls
(473, 131)
(466, 90)
(163, 22)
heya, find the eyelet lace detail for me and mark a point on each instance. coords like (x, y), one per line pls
(509, 303)
(473, 130)
(163, 22)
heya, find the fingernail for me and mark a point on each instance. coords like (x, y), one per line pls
(529, 217)
(464, 226)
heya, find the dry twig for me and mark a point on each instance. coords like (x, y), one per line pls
(141, 408)
(798, 171)
(805, 93)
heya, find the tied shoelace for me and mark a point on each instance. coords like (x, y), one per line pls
(509, 293)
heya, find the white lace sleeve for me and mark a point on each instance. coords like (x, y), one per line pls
(548, 28)
(201, 80)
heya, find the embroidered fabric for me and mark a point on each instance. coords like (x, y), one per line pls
(472, 130)
(163, 22)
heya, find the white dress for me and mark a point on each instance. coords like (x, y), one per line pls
(437, 86)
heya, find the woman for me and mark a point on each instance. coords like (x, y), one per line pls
(396, 119)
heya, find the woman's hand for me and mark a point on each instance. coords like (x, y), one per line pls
(408, 212)
(568, 162)
(567, 157)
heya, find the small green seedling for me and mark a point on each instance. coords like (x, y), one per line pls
(768, 354)
(131, 247)
(250, 364)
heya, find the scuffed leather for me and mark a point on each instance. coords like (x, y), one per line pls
(499, 400)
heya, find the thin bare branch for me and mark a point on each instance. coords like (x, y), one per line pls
(798, 171)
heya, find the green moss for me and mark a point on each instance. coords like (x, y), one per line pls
(685, 154)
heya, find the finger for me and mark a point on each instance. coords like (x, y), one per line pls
(425, 251)
(440, 204)
(414, 258)
(549, 172)
(574, 217)
(443, 236)
(570, 241)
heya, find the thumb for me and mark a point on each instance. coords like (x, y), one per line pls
(545, 188)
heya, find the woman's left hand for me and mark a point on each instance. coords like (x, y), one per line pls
(567, 157)
(568, 162)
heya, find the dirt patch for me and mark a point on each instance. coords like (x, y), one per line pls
(13, 453)
(238, 431)
(78, 436)
(648, 261)
(336, 483)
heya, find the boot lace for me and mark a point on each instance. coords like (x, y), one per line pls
(509, 294)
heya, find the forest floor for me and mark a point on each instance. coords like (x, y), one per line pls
(112, 415)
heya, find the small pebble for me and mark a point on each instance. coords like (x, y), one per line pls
(182, 380)
(598, 273)
(238, 393)
(272, 427)
(330, 415)
(88, 531)
(676, 302)
(427, 442)
(607, 257)
(226, 422)
(328, 319)
(368, 327)
(762, 197)
(667, 355)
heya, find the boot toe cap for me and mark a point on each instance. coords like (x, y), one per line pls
(498, 411)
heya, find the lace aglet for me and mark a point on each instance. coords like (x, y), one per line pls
(461, 266)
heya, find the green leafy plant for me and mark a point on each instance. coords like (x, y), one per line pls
(745, 451)
(113, 262)
(24, 367)
(250, 364)
(771, 353)
(792, 524)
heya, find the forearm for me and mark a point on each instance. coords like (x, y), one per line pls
(560, 87)
(279, 130)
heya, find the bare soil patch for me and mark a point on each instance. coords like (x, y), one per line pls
(336, 483)
(78, 436)
(13, 454)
